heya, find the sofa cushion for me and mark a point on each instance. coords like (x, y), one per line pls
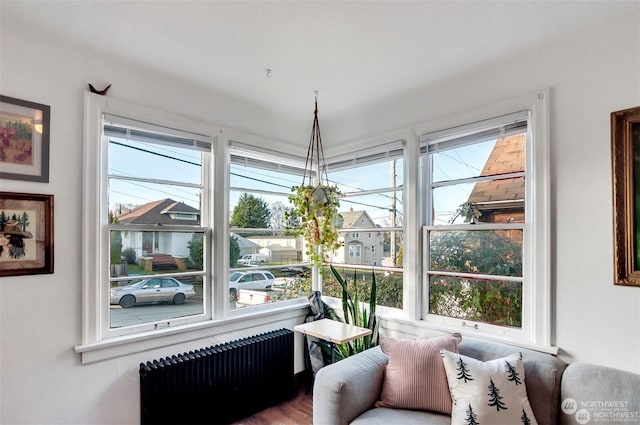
(414, 377)
(543, 371)
(386, 416)
(487, 392)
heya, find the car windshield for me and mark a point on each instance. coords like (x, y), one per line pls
(138, 283)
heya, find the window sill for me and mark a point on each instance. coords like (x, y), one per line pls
(471, 333)
(192, 333)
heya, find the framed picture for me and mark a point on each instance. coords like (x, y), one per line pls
(26, 234)
(24, 144)
(625, 155)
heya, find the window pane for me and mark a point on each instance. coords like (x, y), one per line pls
(487, 301)
(497, 252)
(266, 266)
(385, 208)
(388, 285)
(363, 214)
(446, 202)
(137, 294)
(145, 299)
(505, 155)
(259, 198)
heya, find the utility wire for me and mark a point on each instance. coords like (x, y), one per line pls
(234, 174)
(154, 153)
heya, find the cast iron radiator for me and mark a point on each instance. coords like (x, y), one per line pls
(218, 384)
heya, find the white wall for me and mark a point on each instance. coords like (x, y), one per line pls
(590, 75)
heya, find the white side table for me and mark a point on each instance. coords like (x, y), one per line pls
(332, 331)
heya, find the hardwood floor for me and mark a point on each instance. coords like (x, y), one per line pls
(296, 411)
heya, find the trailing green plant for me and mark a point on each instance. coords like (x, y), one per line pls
(354, 314)
(315, 209)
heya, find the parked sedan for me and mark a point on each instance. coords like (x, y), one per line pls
(166, 289)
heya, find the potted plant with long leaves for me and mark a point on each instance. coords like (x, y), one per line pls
(355, 314)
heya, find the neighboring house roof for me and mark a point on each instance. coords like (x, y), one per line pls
(353, 219)
(507, 156)
(279, 248)
(160, 212)
(244, 243)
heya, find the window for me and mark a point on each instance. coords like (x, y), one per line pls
(148, 221)
(372, 209)
(155, 174)
(260, 184)
(485, 242)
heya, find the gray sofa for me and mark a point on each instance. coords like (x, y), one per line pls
(346, 392)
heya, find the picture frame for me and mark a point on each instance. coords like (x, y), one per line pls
(26, 234)
(625, 155)
(24, 140)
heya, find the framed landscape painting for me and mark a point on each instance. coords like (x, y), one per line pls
(24, 140)
(26, 234)
(625, 155)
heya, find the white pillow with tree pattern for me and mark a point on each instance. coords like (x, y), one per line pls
(491, 392)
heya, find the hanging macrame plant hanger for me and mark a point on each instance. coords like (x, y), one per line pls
(315, 162)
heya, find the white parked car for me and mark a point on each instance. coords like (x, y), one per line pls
(254, 279)
(251, 297)
(250, 259)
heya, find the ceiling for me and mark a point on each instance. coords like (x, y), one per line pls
(356, 54)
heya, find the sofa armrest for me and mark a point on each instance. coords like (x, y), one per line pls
(344, 390)
(609, 395)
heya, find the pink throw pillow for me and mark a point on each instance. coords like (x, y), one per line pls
(415, 377)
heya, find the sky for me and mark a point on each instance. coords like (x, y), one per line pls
(183, 166)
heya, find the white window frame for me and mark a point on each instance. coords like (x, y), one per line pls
(95, 218)
(536, 305)
(238, 152)
(381, 148)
